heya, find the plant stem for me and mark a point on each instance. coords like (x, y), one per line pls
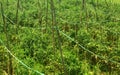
(17, 12)
(10, 67)
(47, 15)
(58, 34)
(83, 4)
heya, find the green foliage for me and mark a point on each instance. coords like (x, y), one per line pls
(97, 28)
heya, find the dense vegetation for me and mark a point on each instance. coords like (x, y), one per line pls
(59, 37)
